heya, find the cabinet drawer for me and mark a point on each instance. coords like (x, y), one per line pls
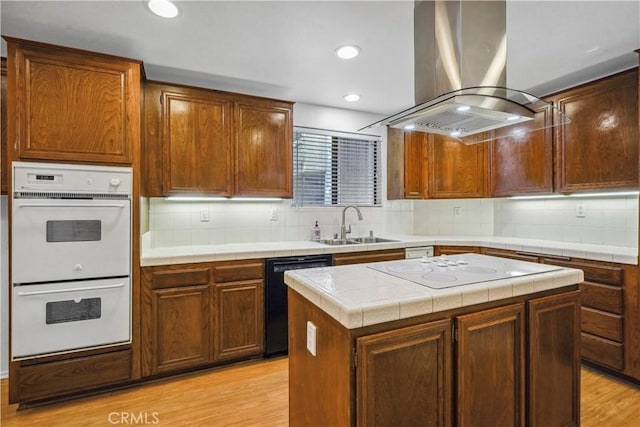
(237, 272)
(602, 351)
(602, 297)
(601, 323)
(455, 250)
(374, 256)
(509, 254)
(73, 375)
(606, 274)
(179, 278)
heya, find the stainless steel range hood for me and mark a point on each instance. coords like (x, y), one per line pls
(460, 57)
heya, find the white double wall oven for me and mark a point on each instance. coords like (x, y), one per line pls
(70, 258)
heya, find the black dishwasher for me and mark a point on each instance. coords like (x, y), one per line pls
(275, 310)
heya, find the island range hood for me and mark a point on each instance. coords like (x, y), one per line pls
(460, 73)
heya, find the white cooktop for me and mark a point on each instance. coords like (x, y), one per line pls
(458, 270)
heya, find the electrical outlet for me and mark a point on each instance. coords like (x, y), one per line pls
(274, 214)
(457, 211)
(581, 211)
(204, 215)
(311, 337)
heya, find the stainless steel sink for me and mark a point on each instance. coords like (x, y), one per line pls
(370, 239)
(338, 241)
(356, 241)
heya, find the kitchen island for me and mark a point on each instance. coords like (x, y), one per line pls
(367, 347)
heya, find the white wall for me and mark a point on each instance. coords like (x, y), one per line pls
(4, 288)
(178, 223)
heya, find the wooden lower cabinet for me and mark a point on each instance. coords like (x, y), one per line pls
(33, 381)
(370, 256)
(610, 310)
(181, 328)
(239, 320)
(553, 383)
(485, 365)
(413, 362)
(196, 315)
(490, 353)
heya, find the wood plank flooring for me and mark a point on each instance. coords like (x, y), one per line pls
(256, 394)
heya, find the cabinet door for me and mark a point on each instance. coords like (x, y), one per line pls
(404, 377)
(554, 361)
(456, 170)
(240, 319)
(415, 165)
(196, 139)
(263, 148)
(73, 105)
(181, 328)
(522, 164)
(599, 148)
(4, 164)
(491, 350)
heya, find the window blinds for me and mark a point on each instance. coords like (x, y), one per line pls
(335, 169)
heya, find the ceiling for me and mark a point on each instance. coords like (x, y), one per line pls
(284, 49)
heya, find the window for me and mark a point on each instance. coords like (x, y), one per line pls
(335, 168)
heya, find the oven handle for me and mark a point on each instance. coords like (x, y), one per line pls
(58, 291)
(71, 205)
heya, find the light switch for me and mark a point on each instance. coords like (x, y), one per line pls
(457, 211)
(311, 337)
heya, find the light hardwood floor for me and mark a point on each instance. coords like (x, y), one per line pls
(256, 394)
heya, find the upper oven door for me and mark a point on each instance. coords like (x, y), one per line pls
(67, 239)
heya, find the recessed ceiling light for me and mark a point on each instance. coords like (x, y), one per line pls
(463, 108)
(347, 52)
(511, 118)
(455, 133)
(352, 97)
(163, 8)
(409, 127)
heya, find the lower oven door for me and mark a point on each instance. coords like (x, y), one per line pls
(65, 316)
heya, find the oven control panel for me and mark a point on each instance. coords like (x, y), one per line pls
(68, 178)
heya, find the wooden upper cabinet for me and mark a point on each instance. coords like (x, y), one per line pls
(191, 128)
(4, 164)
(524, 164)
(263, 148)
(456, 170)
(415, 165)
(395, 164)
(72, 105)
(599, 148)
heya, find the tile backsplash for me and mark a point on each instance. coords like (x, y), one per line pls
(176, 223)
(611, 220)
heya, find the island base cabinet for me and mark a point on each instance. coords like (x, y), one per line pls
(490, 364)
(554, 361)
(490, 367)
(414, 363)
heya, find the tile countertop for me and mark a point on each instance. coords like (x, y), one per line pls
(358, 296)
(237, 251)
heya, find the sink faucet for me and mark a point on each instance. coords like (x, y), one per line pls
(343, 229)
